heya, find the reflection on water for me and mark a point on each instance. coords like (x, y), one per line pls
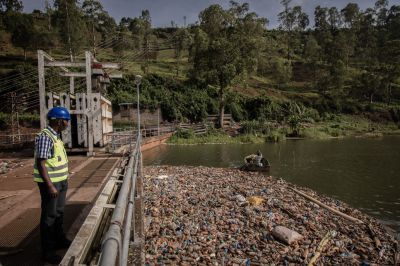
(362, 172)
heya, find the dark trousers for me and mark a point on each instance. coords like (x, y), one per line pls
(52, 216)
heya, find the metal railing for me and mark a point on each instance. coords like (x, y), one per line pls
(17, 139)
(118, 139)
(126, 224)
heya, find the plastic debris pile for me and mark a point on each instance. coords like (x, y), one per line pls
(213, 216)
(8, 165)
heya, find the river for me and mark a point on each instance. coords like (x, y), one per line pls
(363, 172)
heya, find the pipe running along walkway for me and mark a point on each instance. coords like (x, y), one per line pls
(114, 228)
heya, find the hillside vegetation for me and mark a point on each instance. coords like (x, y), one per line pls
(299, 76)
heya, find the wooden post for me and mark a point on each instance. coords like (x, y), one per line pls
(72, 85)
(42, 90)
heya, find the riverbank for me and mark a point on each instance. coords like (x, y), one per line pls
(202, 215)
(338, 126)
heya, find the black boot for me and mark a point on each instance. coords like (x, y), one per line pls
(63, 243)
(51, 257)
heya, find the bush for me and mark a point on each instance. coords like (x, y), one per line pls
(4, 120)
(29, 118)
(282, 70)
(275, 137)
(395, 113)
(184, 133)
(255, 127)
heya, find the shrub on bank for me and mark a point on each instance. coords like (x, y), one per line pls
(25, 119)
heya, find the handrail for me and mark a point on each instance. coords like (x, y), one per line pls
(114, 244)
(129, 221)
(121, 138)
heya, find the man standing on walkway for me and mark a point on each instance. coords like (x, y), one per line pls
(51, 174)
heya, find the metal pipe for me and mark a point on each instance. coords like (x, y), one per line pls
(129, 222)
(112, 241)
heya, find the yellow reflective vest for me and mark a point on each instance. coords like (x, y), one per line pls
(57, 166)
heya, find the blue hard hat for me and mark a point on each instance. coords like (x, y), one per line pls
(58, 113)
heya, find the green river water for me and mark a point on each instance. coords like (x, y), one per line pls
(363, 172)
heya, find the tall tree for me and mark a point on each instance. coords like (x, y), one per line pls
(22, 31)
(181, 39)
(143, 30)
(335, 19)
(11, 6)
(292, 19)
(218, 53)
(71, 26)
(312, 54)
(350, 15)
(381, 10)
(49, 13)
(92, 10)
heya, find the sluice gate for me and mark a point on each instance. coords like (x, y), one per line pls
(91, 111)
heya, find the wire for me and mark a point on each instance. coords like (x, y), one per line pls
(16, 74)
(17, 78)
(16, 84)
(35, 101)
(107, 43)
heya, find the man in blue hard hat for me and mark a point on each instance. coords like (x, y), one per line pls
(51, 174)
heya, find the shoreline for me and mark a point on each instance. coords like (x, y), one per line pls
(263, 139)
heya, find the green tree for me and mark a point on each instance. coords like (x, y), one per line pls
(381, 10)
(11, 6)
(292, 19)
(218, 54)
(22, 31)
(71, 25)
(393, 22)
(124, 40)
(335, 19)
(367, 37)
(351, 13)
(92, 10)
(182, 40)
(141, 28)
(312, 54)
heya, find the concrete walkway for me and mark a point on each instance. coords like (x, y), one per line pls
(20, 206)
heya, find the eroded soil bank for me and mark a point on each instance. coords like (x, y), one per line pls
(216, 216)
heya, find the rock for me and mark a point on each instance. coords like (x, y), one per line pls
(286, 235)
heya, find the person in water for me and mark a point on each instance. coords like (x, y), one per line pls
(255, 159)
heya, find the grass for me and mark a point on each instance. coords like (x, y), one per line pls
(220, 137)
(335, 127)
(347, 125)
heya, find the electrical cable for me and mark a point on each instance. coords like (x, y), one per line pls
(4, 88)
(16, 74)
(4, 83)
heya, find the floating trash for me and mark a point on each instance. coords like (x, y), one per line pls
(215, 216)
